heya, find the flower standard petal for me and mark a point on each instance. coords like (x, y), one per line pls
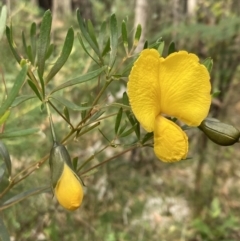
(170, 142)
(69, 191)
(185, 88)
(144, 89)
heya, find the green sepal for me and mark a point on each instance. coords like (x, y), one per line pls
(161, 47)
(171, 48)
(220, 133)
(58, 157)
(208, 63)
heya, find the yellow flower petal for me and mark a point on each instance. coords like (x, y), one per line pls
(170, 142)
(185, 88)
(144, 89)
(69, 190)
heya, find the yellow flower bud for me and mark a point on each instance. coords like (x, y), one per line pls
(65, 182)
(69, 191)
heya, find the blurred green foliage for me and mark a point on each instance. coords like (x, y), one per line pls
(134, 197)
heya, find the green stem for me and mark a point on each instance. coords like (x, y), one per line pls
(109, 159)
(34, 80)
(54, 107)
(95, 102)
(51, 122)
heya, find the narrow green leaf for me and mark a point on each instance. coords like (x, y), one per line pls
(105, 137)
(92, 32)
(49, 51)
(125, 99)
(125, 36)
(84, 112)
(85, 49)
(130, 117)
(33, 32)
(15, 89)
(4, 236)
(2, 172)
(42, 107)
(147, 137)
(20, 99)
(208, 63)
(19, 197)
(24, 43)
(66, 50)
(129, 131)
(12, 44)
(6, 157)
(137, 35)
(118, 120)
(80, 79)
(137, 130)
(42, 84)
(44, 39)
(96, 115)
(69, 104)
(102, 34)
(34, 88)
(107, 48)
(19, 133)
(3, 19)
(86, 130)
(171, 48)
(86, 34)
(123, 128)
(66, 113)
(113, 39)
(30, 54)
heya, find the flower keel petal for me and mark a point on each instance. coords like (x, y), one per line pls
(170, 142)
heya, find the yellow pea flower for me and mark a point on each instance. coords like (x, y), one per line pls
(69, 191)
(65, 182)
(175, 86)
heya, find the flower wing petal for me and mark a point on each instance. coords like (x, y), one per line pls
(144, 89)
(185, 88)
(170, 142)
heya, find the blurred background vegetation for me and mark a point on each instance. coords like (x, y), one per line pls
(134, 197)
